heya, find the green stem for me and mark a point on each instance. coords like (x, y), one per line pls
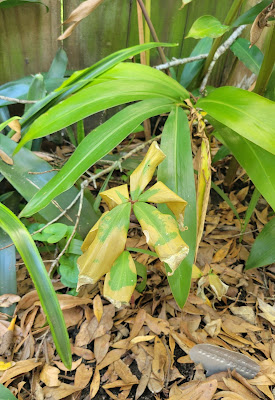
(267, 66)
(217, 42)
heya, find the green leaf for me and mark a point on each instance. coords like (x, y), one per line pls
(36, 91)
(248, 114)
(226, 199)
(190, 70)
(31, 257)
(27, 184)
(251, 57)
(80, 79)
(68, 270)
(141, 271)
(249, 16)
(221, 153)
(6, 393)
(207, 26)
(258, 163)
(176, 171)
(96, 145)
(52, 233)
(263, 250)
(97, 98)
(59, 65)
(142, 251)
(251, 207)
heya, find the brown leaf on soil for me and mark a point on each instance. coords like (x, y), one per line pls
(79, 13)
(101, 347)
(83, 376)
(49, 375)
(60, 392)
(61, 366)
(124, 372)
(95, 383)
(237, 387)
(21, 367)
(7, 300)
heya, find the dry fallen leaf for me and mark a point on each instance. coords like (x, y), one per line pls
(80, 12)
(268, 311)
(49, 375)
(98, 307)
(7, 300)
(6, 158)
(15, 125)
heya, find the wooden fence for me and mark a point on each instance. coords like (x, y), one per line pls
(28, 34)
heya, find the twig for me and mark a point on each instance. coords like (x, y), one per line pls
(180, 61)
(221, 50)
(17, 100)
(43, 172)
(81, 196)
(152, 30)
(117, 164)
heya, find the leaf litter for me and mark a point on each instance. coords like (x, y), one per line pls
(142, 351)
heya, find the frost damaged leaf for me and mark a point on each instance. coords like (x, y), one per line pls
(92, 234)
(108, 244)
(145, 171)
(121, 281)
(115, 196)
(162, 233)
(159, 194)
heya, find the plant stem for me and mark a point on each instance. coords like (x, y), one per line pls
(147, 30)
(217, 42)
(267, 66)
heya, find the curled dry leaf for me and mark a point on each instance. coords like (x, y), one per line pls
(261, 22)
(6, 158)
(78, 14)
(268, 311)
(7, 300)
(15, 125)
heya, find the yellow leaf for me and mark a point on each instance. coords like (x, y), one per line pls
(159, 194)
(115, 196)
(120, 282)
(145, 171)
(108, 244)
(91, 234)
(162, 233)
(196, 272)
(4, 366)
(217, 285)
(203, 189)
(98, 307)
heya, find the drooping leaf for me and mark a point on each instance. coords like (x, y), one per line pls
(27, 184)
(203, 187)
(115, 196)
(249, 16)
(90, 100)
(258, 163)
(248, 114)
(263, 251)
(190, 70)
(96, 145)
(162, 233)
(142, 175)
(207, 26)
(120, 282)
(108, 244)
(252, 57)
(161, 194)
(176, 171)
(31, 257)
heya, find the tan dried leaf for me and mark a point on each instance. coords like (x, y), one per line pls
(60, 392)
(244, 312)
(78, 14)
(95, 383)
(124, 372)
(101, 347)
(21, 367)
(82, 376)
(49, 375)
(15, 125)
(268, 311)
(6, 158)
(98, 307)
(7, 300)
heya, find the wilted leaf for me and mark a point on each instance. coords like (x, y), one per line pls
(92, 234)
(217, 285)
(82, 11)
(207, 26)
(121, 281)
(161, 232)
(159, 194)
(204, 186)
(145, 171)
(115, 196)
(108, 244)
